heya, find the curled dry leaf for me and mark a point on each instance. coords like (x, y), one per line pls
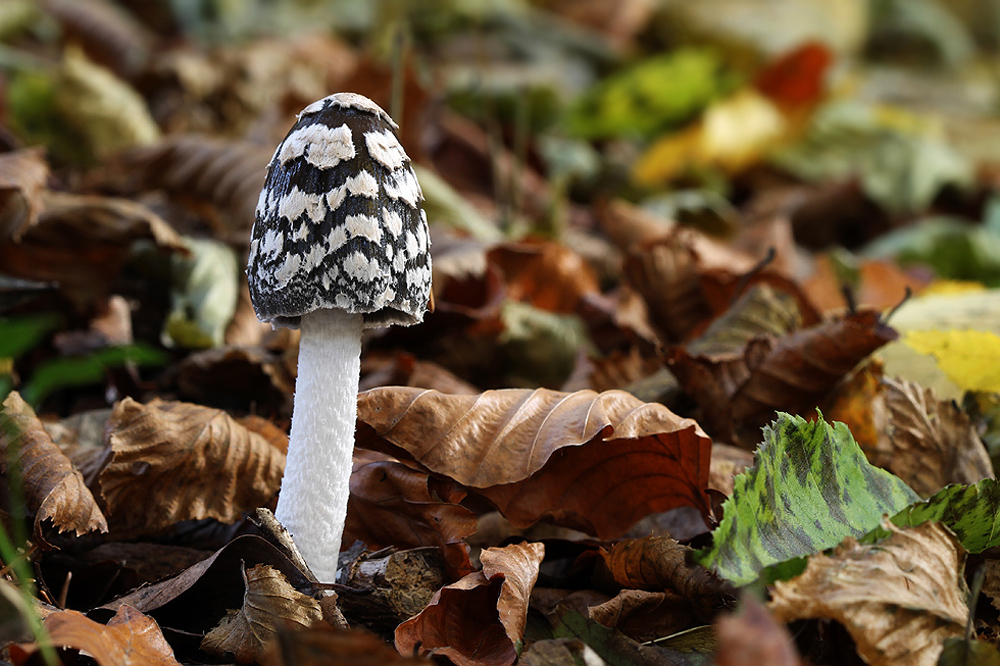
(129, 638)
(175, 461)
(53, 488)
(109, 35)
(392, 504)
(549, 276)
(22, 179)
(927, 442)
(218, 178)
(761, 311)
(660, 563)
(196, 599)
(752, 636)
(899, 599)
(478, 620)
(791, 373)
(665, 273)
(270, 602)
(82, 242)
(322, 645)
(592, 461)
(644, 615)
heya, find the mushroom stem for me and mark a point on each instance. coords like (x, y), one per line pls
(312, 504)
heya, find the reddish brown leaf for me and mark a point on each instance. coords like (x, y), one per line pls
(549, 276)
(392, 504)
(236, 378)
(796, 79)
(478, 620)
(53, 488)
(129, 639)
(752, 637)
(792, 373)
(175, 461)
(270, 602)
(322, 645)
(585, 460)
(22, 179)
(660, 563)
(404, 369)
(644, 615)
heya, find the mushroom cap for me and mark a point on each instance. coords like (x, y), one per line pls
(339, 222)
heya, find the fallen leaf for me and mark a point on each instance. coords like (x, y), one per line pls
(392, 504)
(971, 512)
(930, 443)
(584, 460)
(174, 461)
(761, 311)
(549, 276)
(751, 636)
(659, 563)
(899, 599)
(129, 638)
(323, 645)
(614, 647)
(196, 599)
(270, 602)
(971, 359)
(22, 178)
(809, 488)
(644, 615)
(54, 490)
(480, 619)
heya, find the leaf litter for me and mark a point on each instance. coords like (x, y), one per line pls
(644, 289)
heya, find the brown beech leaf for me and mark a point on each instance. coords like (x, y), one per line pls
(129, 638)
(323, 645)
(478, 620)
(110, 36)
(270, 602)
(752, 636)
(739, 393)
(644, 615)
(22, 179)
(175, 461)
(660, 563)
(236, 378)
(550, 276)
(392, 504)
(218, 178)
(196, 599)
(405, 369)
(761, 311)
(665, 273)
(927, 442)
(899, 599)
(53, 488)
(82, 242)
(592, 461)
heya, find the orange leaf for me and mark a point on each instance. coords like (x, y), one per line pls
(130, 638)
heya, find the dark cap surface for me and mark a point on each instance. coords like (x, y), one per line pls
(339, 222)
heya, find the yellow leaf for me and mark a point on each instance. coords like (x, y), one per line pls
(970, 358)
(733, 134)
(946, 287)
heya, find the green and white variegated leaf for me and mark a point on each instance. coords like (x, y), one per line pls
(972, 512)
(810, 487)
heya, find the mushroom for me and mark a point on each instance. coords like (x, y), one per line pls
(339, 244)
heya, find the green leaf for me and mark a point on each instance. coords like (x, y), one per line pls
(58, 373)
(809, 488)
(19, 334)
(971, 512)
(655, 94)
(900, 163)
(955, 249)
(204, 293)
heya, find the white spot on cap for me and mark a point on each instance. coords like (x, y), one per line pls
(392, 222)
(363, 225)
(296, 202)
(360, 267)
(384, 147)
(388, 251)
(387, 295)
(411, 245)
(402, 184)
(323, 147)
(338, 236)
(362, 184)
(271, 243)
(335, 197)
(287, 270)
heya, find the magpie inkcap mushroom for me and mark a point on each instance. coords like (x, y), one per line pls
(339, 243)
